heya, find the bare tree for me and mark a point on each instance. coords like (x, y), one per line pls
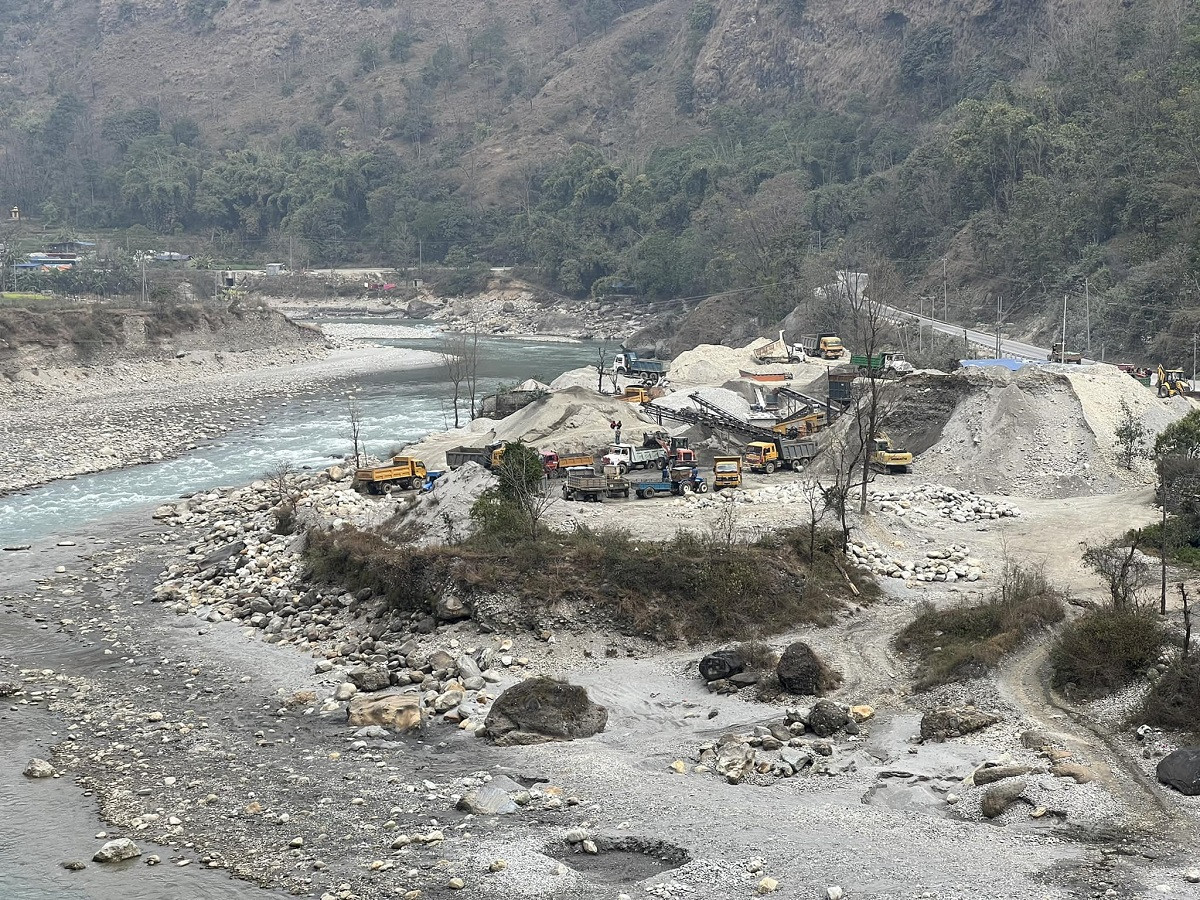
(1187, 622)
(471, 355)
(870, 326)
(521, 482)
(1125, 571)
(814, 500)
(355, 414)
(455, 364)
(844, 454)
(724, 530)
(279, 476)
(600, 370)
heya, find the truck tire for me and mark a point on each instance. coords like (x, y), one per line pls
(622, 468)
(566, 493)
(388, 487)
(703, 488)
(685, 489)
(648, 493)
(625, 493)
(769, 468)
(405, 484)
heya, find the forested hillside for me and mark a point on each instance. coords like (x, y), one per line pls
(671, 148)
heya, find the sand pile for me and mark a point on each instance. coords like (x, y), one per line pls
(443, 516)
(567, 421)
(710, 364)
(1020, 432)
(1101, 389)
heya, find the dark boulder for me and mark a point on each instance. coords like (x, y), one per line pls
(1181, 770)
(544, 709)
(721, 664)
(800, 671)
(827, 718)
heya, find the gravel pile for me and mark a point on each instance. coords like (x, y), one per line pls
(1020, 432)
(443, 515)
(948, 564)
(939, 500)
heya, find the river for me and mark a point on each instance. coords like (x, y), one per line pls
(396, 408)
(312, 430)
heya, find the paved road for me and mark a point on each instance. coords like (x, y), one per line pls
(1010, 349)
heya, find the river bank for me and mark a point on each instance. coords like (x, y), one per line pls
(216, 738)
(79, 421)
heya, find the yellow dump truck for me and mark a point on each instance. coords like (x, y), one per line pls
(404, 472)
(886, 458)
(727, 472)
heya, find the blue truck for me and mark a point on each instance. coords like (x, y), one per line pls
(680, 481)
(629, 363)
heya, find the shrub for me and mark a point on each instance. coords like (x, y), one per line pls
(1174, 700)
(1105, 648)
(966, 641)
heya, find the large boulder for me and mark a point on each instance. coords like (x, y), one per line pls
(543, 709)
(948, 722)
(487, 800)
(1001, 796)
(800, 671)
(992, 774)
(1181, 770)
(38, 768)
(370, 678)
(735, 758)
(827, 718)
(721, 664)
(396, 712)
(115, 851)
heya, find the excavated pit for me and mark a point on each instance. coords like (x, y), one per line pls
(624, 860)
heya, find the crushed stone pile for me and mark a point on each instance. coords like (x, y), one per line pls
(443, 515)
(1020, 432)
(1101, 390)
(934, 500)
(710, 364)
(573, 420)
(949, 564)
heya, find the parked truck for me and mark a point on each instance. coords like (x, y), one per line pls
(403, 472)
(886, 458)
(556, 464)
(489, 457)
(727, 472)
(778, 350)
(889, 363)
(822, 346)
(681, 480)
(627, 456)
(1059, 354)
(767, 456)
(627, 362)
(584, 484)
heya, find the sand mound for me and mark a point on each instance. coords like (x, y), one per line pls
(1101, 388)
(443, 516)
(574, 420)
(1019, 432)
(710, 364)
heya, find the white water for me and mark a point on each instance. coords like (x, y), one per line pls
(397, 407)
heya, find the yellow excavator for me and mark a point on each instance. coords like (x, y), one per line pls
(1171, 382)
(886, 458)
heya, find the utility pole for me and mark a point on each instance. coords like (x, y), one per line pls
(143, 277)
(1193, 360)
(1087, 300)
(920, 323)
(1062, 352)
(945, 296)
(999, 320)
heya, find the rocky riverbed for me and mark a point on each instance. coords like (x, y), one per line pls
(146, 412)
(216, 729)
